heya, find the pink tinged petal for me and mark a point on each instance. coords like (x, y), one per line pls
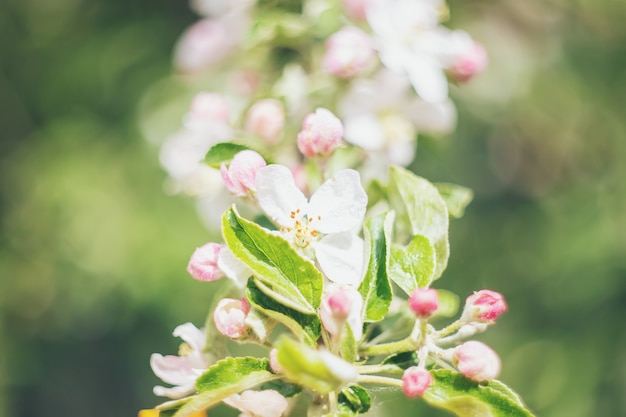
(424, 302)
(240, 177)
(477, 361)
(202, 45)
(339, 204)
(348, 52)
(340, 256)
(203, 263)
(208, 107)
(278, 195)
(175, 370)
(321, 133)
(341, 305)
(365, 131)
(176, 392)
(484, 306)
(266, 118)
(266, 403)
(415, 381)
(356, 9)
(229, 318)
(193, 336)
(274, 364)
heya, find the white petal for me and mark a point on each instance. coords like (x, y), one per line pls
(427, 78)
(193, 336)
(278, 194)
(402, 153)
(174, 392)
(266, 403)
(340, 256)
(432, 117)
(233, 267)
(340, 203)
(175, 370)
(341, 369)
(365, 131)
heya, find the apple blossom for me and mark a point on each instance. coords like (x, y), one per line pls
(341, 305)
(266, 118)
(203, 264)
(266, 403)
(321, 134)
(229, 317)
(477, 361)
(415, 381)
(348, 52)
(182, 371)
(484, 306)
(356, 9)
(470, 63)
(203, 45)
(325, 223)
(424, 302)
(206, 109)
(240, 175)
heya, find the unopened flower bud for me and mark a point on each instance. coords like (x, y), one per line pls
(477, 361)
(203, 263)
(206, 108)
(473, 61)
(424, 302)
(204, 44)
(356, 9)
(415, 381)
(240, 176)
(274, 365)
(341, 305)
(321, 133)
(348, 53)
(266, 118)
(229, 317)
(484, 306)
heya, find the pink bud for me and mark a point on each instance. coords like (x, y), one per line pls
(424, 302)
(266, 118)
(484, 306)
(203, 263)
(208, 107)
(321, 133)
(276, 368)
(244, 82)
(470, 63)
(477, 361)
(348, 53)
(356, 9)
(342, 305)
(230, 316)
(415, 381)
(240, 176)
(202, 45)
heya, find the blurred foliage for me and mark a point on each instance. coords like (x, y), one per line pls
(92, 252)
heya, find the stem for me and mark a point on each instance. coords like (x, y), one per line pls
(332, 402)
(450, 329)
(375, 369)
(405, 345)
(382, 380)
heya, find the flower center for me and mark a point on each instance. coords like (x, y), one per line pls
(302, 233)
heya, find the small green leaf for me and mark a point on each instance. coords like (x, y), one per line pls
(413, 266)
(453, 392)
(375, 287)
(306, 367)
(225, 378)
(456, 197)
(448, 304)
(224, 152)
(421, 210)
(355, 398)
(280, 271)
(402, 360)
(307, 327)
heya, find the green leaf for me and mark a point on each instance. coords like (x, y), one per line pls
(347, 343)
(286, 389)
(224, 152)
(456, 197)
(280, 271)
(413, 266)
(375, 287)
(421, 211)
(305, 326)
(225, 378)
(355, 399)
(306, 367)
(402, 360)
(448, 304)
(453, 392)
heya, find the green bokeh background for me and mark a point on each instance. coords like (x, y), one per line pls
(92, 251)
